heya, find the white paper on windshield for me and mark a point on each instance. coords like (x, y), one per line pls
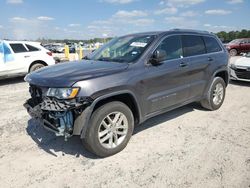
(138, 44)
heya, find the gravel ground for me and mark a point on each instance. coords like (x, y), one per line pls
(188, 147)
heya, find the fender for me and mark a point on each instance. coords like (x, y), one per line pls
(82, 123)
(222, 69)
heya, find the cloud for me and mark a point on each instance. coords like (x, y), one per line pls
(142, 22)
(168, 10)
(218, 12)
(235, 1)
(129, 14)
(181, 3)
(14, 1)
(189, 14)
(118, 1)
(74, 25)
(217, 28)
(181, 22)
(45, 18)
(18, 19)
(1, 26)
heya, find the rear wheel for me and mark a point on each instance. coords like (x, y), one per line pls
(233, 52)
(36, 67)
(216, 94)
(110, 129)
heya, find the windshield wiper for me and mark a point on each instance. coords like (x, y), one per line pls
(103, 59)
(86, 58)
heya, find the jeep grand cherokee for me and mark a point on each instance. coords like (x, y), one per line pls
(127, 81)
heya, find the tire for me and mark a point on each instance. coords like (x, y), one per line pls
(233, 52)
(36, 66)
(104, 139)
(218, 86)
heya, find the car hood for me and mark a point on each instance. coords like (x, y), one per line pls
(243, 62)
(66, 74)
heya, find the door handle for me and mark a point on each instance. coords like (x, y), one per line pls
(210, 59)
(26, 56)
(183, 64)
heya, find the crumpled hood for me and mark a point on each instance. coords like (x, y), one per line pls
(66, 74)
(243, 62)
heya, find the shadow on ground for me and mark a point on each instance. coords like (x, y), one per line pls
(9, 81)
(239, 83)
(51, 144)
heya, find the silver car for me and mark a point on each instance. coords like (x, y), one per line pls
(240, 69)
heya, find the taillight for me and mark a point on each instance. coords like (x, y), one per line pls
(49, 53)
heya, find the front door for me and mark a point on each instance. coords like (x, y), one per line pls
(166, 84)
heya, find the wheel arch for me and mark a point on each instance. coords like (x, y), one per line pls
(223, 74)
(126, 97)
(36, 62)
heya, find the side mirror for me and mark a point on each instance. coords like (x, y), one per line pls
(158, 57)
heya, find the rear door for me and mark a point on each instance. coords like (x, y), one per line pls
(166, 84)
(198, 61)
(246, 45)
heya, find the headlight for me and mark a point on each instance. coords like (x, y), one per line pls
(63, 93)
(232, 65)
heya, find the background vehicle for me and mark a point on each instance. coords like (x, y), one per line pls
(55, 47)
(240, 69)
(238, 46)
(127, 81)
(22, 57)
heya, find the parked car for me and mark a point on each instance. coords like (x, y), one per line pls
(127, 81)
(22, 57)
(240, 69)
(238, 46)
(55, 47)
(59, 48)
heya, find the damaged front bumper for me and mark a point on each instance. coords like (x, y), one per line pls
(58, 116)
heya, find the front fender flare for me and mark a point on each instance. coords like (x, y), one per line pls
(82, 122)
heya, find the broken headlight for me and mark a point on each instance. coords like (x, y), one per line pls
(63, 93)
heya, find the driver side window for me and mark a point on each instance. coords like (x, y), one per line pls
(172, 46)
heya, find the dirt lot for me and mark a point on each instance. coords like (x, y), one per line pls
(188, 147)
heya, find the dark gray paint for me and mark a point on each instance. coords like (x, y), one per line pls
(155, 89)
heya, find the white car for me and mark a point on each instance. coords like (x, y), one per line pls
(240, 69)
(21, 57)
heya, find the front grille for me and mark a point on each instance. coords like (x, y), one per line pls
(242, 73)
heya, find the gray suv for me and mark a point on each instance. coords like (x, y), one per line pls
(127, 81)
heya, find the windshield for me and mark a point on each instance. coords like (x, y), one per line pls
(123, 49)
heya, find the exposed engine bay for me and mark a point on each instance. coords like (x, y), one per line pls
(57, 115)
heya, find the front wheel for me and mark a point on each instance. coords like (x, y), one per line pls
(110, 129)
(215, 95)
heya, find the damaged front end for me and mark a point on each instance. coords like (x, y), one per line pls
(57, 115)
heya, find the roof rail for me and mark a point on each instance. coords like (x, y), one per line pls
(190, 30)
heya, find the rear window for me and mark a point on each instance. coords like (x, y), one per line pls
(32, 48)
(211, 44)
(193, 45)
(18, 48)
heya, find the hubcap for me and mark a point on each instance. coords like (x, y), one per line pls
(38, 68)
(218, 94)
(233, 52)
(113, 130)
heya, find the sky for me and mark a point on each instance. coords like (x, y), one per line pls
(85, 19)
